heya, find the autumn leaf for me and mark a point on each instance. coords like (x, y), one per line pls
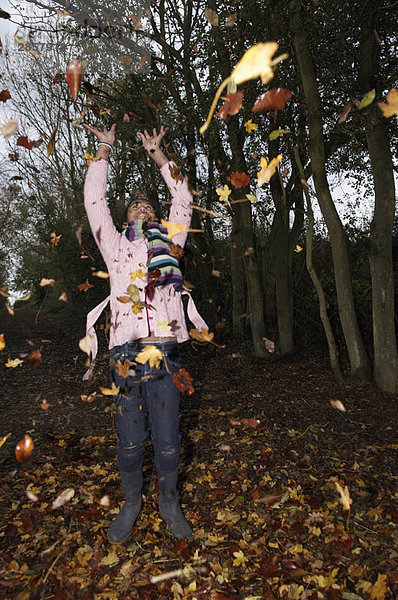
(345, 112)
(274, 99)
(123, 369)
(163, 326)
(4, 439)
(269, 344)
(25, 142)
(173, 229)
(44, 405)
(231, 106)
(250, 126)
(211, 16)
(124, 299)
(100, 274)
(250, 423)
(136, 308)
(63, 297)
(34, 359)
(5, 95)
(2, 342)
(224, 193)
(139, 273)
(150, 354)
(175, 172)
(367, 99)
(252, 198)
(239, 180)
(240, 559)
(230, 20)
(390, 107)
(54, 239)
(137, 23)
(51, 142)
(338, 405)
(379, 589)
(63, 498)
(183, 381)
(277, 132)
(90, 158)
(86, 344)
(112, 391)
(345, 499)
(12, 364)
(267, 170)
(83, 287)
(298, 248)
(9, 128)
(74, 77)
(201, 336)
(24, 449)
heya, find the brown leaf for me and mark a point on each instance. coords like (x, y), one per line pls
(24, 449)
(35, 359)
(25, 142)
(4, 96)
(232, 105)
(230, 20)
(51, 142)
(74, 77)
(275, 98)
(345, 112)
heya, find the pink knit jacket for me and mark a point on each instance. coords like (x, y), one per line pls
(124, 258)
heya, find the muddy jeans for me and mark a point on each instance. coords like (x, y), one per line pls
(150, 391)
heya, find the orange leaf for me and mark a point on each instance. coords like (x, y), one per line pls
(202, 336)
(250, 423)
(124, 299)
(44, 282)
(24, 449)
(232, 105)
(2, 342)
(239, 180)
(274, 99)
(74, 77)
(34, 359)
(183, 381)
(83, 287)
(123, 368)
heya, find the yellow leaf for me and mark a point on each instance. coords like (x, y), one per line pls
(252, 198)
(298, 248)
(173, 229)
(345, 499)
(379, 590)
(86, 344)
(123, 368)
(136, 308)
(124, 299)
(224, 193)
(367, 99)
(51, 142)
(9, 128)
(211, 16)
(151, 354)
(277, 132)
(202, 336)
(138, 273)
(11, 364)
(4, 292)
(101, 274)
(133, 292)
(250, 126)
(163, 326)
(4, 439)
(110, 559)
(61, 13)
(2, 342)
(390, 107)
(54, 238)
(89, 158)
(240, 559)
(267, 170)
(256, 62)
(112, 391)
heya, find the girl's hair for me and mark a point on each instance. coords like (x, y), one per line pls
(139, 195)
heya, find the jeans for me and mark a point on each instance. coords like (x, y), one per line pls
(152, 391)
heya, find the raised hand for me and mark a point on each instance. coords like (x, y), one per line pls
(152, 144)
(103, 136)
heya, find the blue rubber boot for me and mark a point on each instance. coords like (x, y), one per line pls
(122, 526)
(170, 508)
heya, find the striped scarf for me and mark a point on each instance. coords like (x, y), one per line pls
(163, 267)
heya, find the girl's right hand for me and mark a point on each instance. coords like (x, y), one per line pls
(103, 136)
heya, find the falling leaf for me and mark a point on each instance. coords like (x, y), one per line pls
(202, 336)
(34, 359)
(230, 20)
(231, 106)
(90, 158)
(250, 126)
(173, 229)
(277, 132)
(31, 496)
(250, 423)
(105, 501)
(101, 274)
(367, 99)
(298, 248)
(86, 344)
(163, 326)
(133, 292)
(74, 77)
(51, 142)
(12, 364)
(345, 499)
(344, 113)
(249, 251)
(24, 449)
(63, 498)
(137, 23)
(269, 344)
(124, 299)
(252, 198)
(25, 142)
(54, 239)
(274, 99)
(4, 439)
(123, 369)
(379, 589)
(139, 273)
(4, 96)
(10, 128)
(256, 62)
(183, 381)
(44, 282)
(44, 405)
(390, 107)
(239, 180)
(2, 342)
(63, 297)
(61, 13)
(83, 287)
(150, 353)
(211, 16)
(112, 391)
(224, 193)
(175, 172)
(338, 405)
(267, 170)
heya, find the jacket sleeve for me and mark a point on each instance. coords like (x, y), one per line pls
(181, 198)
(98, 213)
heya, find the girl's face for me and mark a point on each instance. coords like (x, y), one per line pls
(140, 209)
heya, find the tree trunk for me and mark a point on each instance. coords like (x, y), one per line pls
(238, 283)
(381, 265)
(360, 368)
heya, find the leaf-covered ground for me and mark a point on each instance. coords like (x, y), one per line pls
(262, 498)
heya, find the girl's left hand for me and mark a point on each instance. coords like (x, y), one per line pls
(152, 143)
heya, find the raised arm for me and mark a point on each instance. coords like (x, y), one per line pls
(98, 213)
(180, 211)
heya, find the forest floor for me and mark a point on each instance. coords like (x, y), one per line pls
(262, 498)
